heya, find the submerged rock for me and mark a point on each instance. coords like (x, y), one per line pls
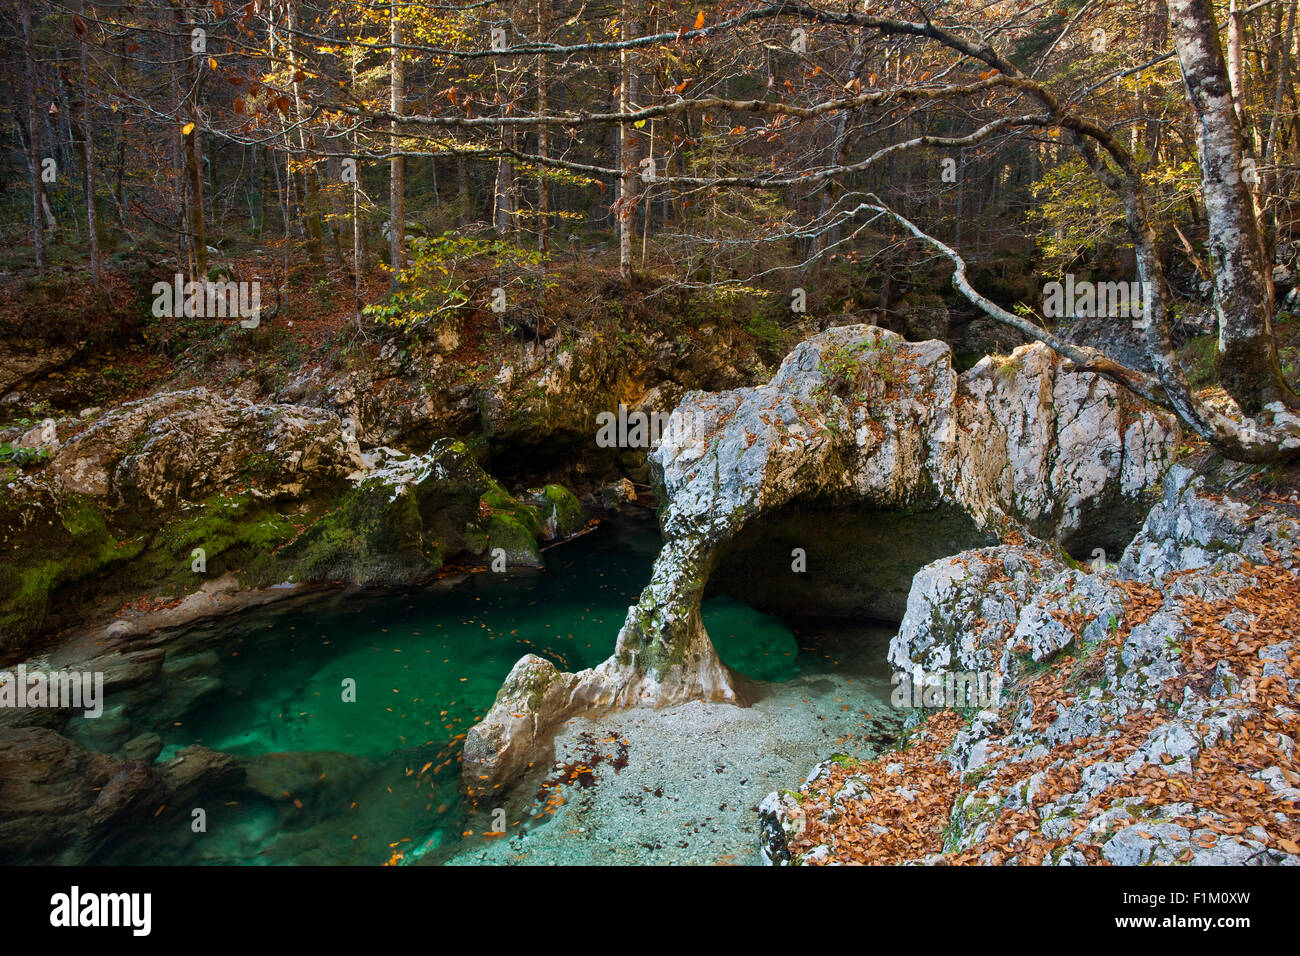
(60, 802)
(295, 774)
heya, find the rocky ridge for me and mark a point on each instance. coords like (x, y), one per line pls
(166, 495)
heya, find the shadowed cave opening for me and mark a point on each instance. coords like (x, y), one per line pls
(837, 576)
(822, 561)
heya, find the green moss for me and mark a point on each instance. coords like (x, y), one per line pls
(565, 508)
(372, 536)
(239, 529)
(224, 522)
(1197, 356)
(77, 546)
(508, 533)
(500, 501)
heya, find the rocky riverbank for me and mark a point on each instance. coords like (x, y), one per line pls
(855, 419)
(1148, 708)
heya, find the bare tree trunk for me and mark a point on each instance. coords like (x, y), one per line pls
(1155, 32)
(502, 213)
(504, 209)
(356, 208)
(92, 219)
(839, 142)
(1234, 63)
(192, 151)
(198, 232)
(624, 218)
(1243, 287)
(396, 180)
(1270, 178)
(462, 189)
(33, 144)
(543, 200)
(307, 183)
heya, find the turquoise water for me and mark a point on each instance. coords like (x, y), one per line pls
(366, 780)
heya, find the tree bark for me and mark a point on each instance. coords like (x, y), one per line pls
(543, 200)
(396, 179)
(1243, 287)
(92, 219)
(624, 218)
(191, 149)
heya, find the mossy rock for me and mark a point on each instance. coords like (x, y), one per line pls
(403, 523)
(499, 501)
(39, 557)
(508, 533)
(234, 532)
(75, 553)
(563, 511)
(373, 536)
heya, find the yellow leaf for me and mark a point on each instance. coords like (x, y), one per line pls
(699, 19)
(187, 129)
(212, 62)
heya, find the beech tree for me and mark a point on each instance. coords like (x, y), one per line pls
(33, 133)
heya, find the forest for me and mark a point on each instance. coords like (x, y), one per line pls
(908, 390)
(740, 150)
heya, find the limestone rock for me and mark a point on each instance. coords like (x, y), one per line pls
(858, 416)
(183, 446)
(1191, 528)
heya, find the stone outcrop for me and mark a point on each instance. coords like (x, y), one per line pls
(1190, 529)
(1128, 693)
(539, 404)
(206, 468)
(854, 417)
(183, 446)
(407, 515)
(164, 495)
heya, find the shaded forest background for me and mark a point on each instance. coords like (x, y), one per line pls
(382, 169)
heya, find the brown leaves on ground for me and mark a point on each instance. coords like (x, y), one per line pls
(893, 827)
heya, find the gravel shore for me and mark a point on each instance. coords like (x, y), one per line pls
(681, 786)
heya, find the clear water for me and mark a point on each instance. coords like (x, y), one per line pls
(368, 781)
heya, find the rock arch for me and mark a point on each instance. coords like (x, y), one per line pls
(854, 415)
